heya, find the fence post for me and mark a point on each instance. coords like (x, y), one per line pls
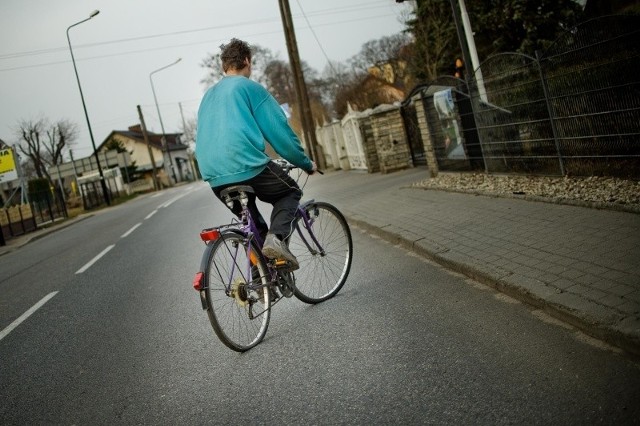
(49, 207)
(552, 120)
(24, 229)
(2, 240)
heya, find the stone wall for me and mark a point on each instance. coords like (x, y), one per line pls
(381, 142)
(432, 162)
(391, 143)
(369, 145)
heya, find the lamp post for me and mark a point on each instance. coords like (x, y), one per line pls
(163, 139)
(105, 191)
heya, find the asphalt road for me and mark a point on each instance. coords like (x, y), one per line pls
(119, 337)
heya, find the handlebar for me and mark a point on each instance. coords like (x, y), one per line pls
(287, 166)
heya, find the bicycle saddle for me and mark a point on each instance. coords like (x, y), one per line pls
(236, 189)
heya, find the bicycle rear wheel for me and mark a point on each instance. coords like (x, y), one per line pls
(236, 292)
(324, 249)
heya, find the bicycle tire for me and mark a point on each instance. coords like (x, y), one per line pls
(228, 298)
(321, 275)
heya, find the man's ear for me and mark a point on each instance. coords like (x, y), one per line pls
(247, 62)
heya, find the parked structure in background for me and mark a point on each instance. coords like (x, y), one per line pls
(146, 157)
(571, 110)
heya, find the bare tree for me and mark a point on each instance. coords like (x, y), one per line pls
(384, 50)
(189, 130)
(60, 137)
(279, 78)
(377, 74)
(31, 145)
(44, 144)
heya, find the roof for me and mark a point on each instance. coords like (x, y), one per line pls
(155, 139)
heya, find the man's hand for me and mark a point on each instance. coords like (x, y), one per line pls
(314, 168)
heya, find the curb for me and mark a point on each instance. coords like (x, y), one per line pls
(590, 318)
(33, 236)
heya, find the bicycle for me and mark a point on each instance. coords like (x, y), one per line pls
(238, 286)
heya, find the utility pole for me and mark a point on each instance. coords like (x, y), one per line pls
(301, 87)
(146, 140)
(468, 46)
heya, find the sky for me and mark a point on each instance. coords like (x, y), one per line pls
(118, 49)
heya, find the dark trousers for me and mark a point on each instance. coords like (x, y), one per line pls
(274, 186)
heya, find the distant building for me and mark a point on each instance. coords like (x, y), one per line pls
(145, 156)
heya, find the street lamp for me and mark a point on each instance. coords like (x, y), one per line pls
(163, 139)
(105, 192)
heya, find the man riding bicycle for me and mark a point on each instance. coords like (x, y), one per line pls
(235, 119)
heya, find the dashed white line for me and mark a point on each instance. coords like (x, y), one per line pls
(174, 199)
(126, 234)
(95, 259)
(133, 228)
(26, 315)
(171, 201)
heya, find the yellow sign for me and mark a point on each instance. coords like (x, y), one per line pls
(8, 170)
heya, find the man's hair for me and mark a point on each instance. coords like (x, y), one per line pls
(234, 53)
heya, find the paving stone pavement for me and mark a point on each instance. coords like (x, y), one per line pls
(578, 264)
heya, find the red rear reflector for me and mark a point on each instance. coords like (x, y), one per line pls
(197, 281)
(211, 234)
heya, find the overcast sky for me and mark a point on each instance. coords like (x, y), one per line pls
(118, 49)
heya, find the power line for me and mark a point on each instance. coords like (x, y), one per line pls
(316, 37)
(351, 8)
(185, 45)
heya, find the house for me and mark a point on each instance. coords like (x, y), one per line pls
(174, 163)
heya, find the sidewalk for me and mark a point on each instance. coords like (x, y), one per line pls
(16, 242)
(578, 264)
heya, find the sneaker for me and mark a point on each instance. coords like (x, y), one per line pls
(274, 248)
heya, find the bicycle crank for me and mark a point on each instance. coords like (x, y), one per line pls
(286, 283)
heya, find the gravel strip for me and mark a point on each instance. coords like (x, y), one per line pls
(595, 192)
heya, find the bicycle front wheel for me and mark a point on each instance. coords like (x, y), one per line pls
(321, 241)
(236, 292)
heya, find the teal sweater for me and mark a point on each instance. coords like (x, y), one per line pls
(235, 118)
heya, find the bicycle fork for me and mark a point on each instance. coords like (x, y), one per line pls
(308, 223)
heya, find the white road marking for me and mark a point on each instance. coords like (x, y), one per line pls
(95, 259)
(171, 201)
(126, 234)
(26, 315)
(151, 214)
(174, 199)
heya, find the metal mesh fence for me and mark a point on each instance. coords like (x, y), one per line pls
(513, 117)
(594, 93)
(573, 110)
